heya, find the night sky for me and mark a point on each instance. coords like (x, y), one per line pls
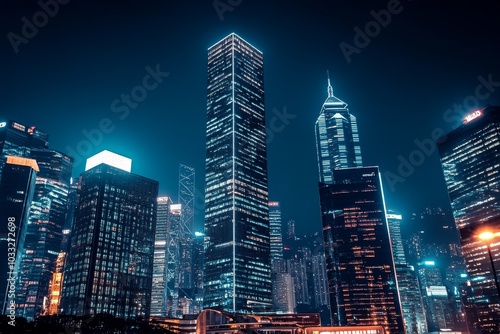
(401, 83)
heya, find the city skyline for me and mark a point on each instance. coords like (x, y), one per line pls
(415, 55)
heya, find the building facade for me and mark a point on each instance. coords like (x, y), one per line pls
(237, 249)
(409, 288)
(186, 200)
(44, 234)
(110, 264)
(360, 266)
(159, 287)
(276, 232)
(17, 189)
(470, 162)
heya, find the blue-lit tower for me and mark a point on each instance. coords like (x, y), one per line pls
(337, 138)
(237, 249)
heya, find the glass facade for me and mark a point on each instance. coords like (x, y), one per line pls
(173, 258)
(439, 311)
(159, 287)
(237, 249)
(283, 293)
(337, 138)
(470, 158)
(198, 259)
(275, 231)
(110, 264)
(409, 287)
(321, 296)
(44, 233)
(360, 266)
(17, 188)
(186, 199)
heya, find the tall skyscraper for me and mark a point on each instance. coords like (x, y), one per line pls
(159, 289)
(173, 258)
(17, 188)
(276, 232)
(186, 233)
(110, 264)
(237, 254)
(198, 259)
(44, 233)
(321, 296)
(337, 138)
(409, 287)
(470, 162)
(360, 265)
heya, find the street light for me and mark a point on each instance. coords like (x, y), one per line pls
(486, 237)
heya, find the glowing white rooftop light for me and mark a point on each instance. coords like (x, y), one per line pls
(175, 208)
(111, 159)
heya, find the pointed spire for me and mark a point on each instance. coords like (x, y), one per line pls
(330, 88)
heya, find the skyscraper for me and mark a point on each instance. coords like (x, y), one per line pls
(186, 233)
(470, 161)
(409, 287)
(198, 259)
(276, 232)
(173, 264)
(321, 296)
(159, 289)
(17, 188)
(110, 265)
(337, 138)
(44, 234)
(439, 311)
(360, 265)
(283, 293)
(237, 254)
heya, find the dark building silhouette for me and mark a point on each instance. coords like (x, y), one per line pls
(17, 188)
(360, 266)
(110, 264)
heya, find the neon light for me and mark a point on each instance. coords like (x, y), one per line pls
(274, 204)
(18, 126)
(176, 209)
(472, 116)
